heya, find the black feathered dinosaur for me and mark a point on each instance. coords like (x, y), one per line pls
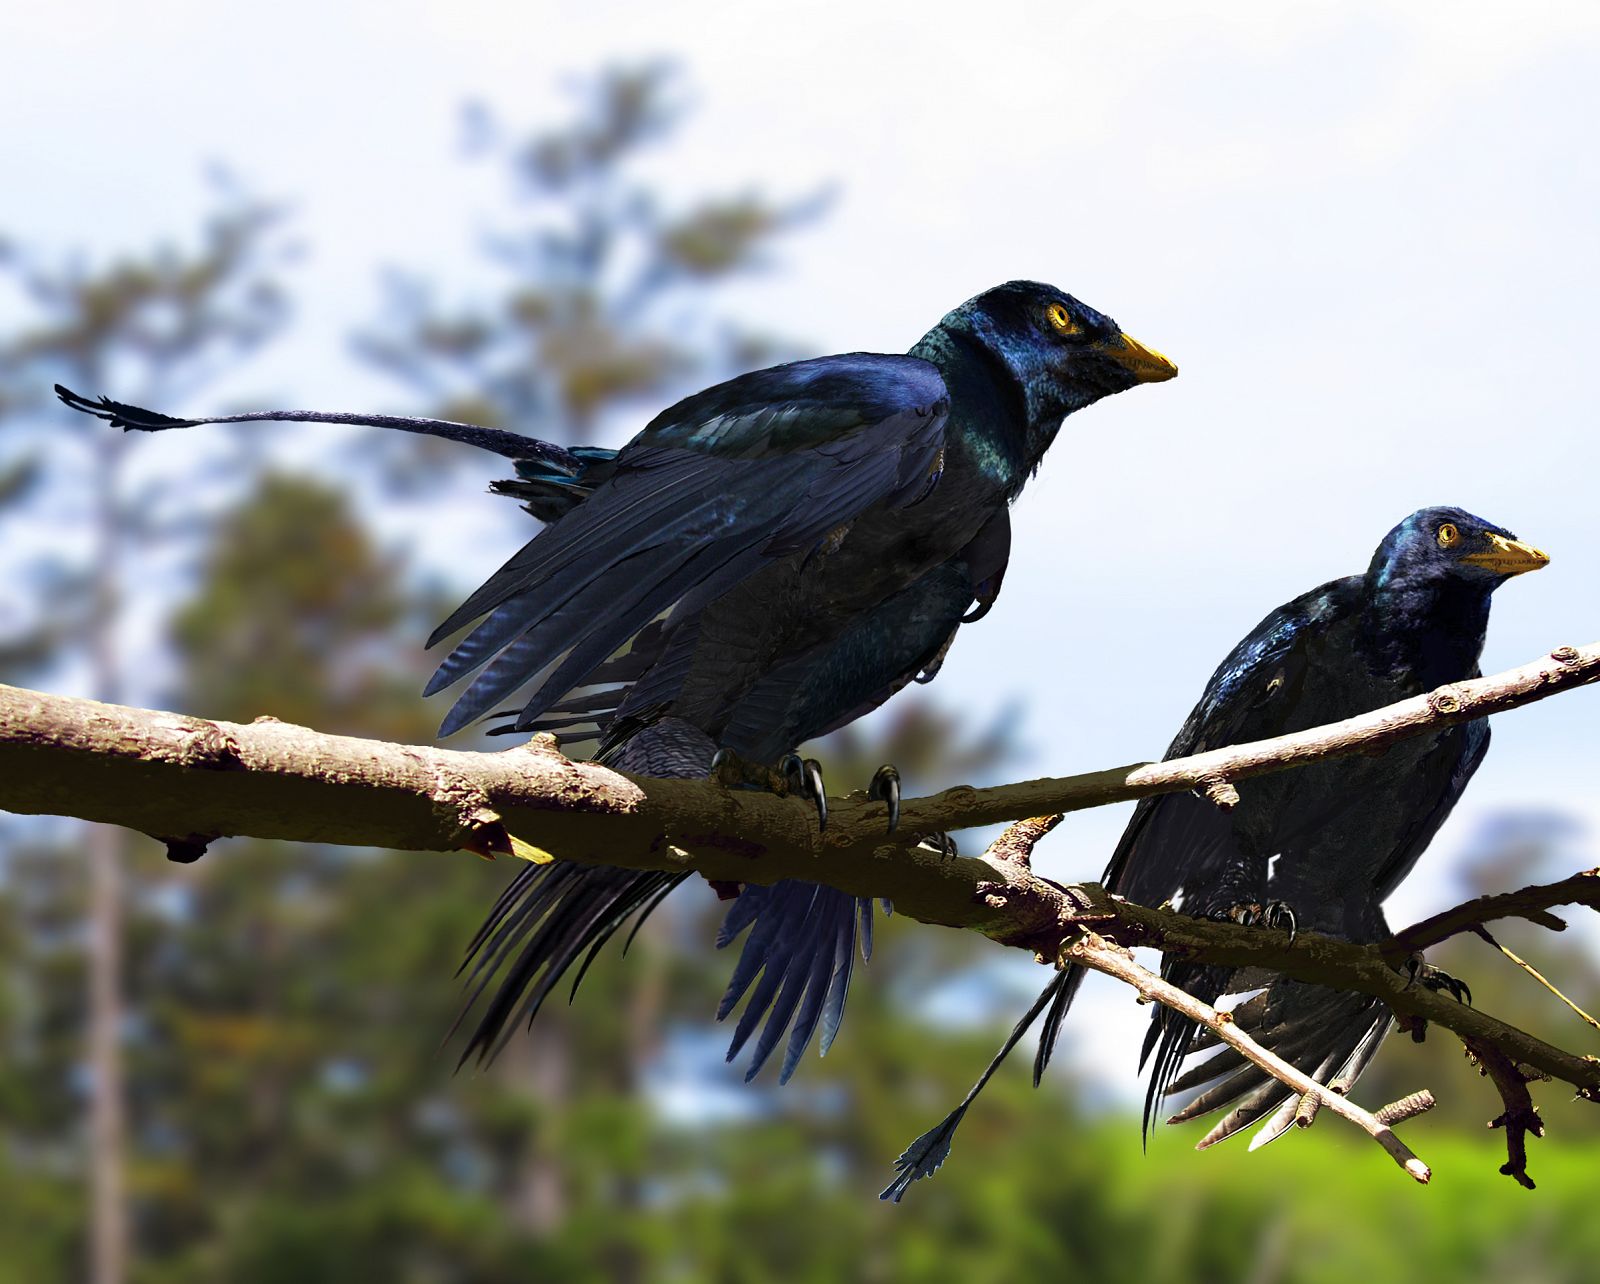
(765, 561)
(1320, 847)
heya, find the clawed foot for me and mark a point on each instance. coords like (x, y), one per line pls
(804, 778)
(1274, 914)
(885, 788)
(795, 775)
(1436, 979)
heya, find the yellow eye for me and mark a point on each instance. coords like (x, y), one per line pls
(1448, 535)
(1061, 319)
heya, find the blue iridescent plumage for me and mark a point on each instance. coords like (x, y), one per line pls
(807, 642)
(766, 560)
(1331, 841)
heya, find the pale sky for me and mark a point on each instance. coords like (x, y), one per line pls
(1364, 231)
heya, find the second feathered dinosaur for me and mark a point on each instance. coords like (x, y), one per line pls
(1319, 847)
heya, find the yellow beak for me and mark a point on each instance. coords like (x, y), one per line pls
(1146, 365)
(1508, 556)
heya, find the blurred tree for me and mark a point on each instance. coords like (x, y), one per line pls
(605, 292)
(1510, 848)
(291, 1117)
(602, 303)
(161, 322)
(294, 1120)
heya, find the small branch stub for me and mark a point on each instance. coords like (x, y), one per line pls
(1446, 701)
(1015, 846)
(1397, 1112)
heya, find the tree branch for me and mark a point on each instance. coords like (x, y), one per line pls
(1094, 951)
(1531, 903)
(1325, 960)
(1520, 1118)
(172, 775)
(190, 780)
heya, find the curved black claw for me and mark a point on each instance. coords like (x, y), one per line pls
(1436, 979)
(804, 776)
(1278, 915)
(885, 787)
(727, 767)
(941, 843)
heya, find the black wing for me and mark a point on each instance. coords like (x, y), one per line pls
(752, 470)
(1171, 837)
(1174, 838)
(1328, 1034)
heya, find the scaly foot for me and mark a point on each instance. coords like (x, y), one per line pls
(1436, 979)
(885, 787)
(804, 778)
(1273, 914)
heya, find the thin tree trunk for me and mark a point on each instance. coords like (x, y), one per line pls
(108, 1229)
(108, 1221)
(542, 1067)
(642, 1024)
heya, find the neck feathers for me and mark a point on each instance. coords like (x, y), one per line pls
(1424, 630)
(993, 425)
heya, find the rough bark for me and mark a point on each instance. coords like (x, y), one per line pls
(188, 780)
(191, 780)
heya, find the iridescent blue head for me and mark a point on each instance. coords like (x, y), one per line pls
(1059, 354)
(1449, 546)
(1428, 591)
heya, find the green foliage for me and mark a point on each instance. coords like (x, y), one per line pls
(292, 590)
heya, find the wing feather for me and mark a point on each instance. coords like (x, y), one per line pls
(752, 470)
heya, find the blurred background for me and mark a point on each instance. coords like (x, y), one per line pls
(1365, 233)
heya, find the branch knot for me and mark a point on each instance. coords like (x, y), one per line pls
(1446, 700)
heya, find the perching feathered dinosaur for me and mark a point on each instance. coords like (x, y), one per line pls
(1320, 847)
(765, 561)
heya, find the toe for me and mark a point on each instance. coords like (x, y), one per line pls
(812, 775)
(885, 787)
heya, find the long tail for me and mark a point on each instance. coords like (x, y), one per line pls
(496, 441)
(923, 1156)
(1330, 1035)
